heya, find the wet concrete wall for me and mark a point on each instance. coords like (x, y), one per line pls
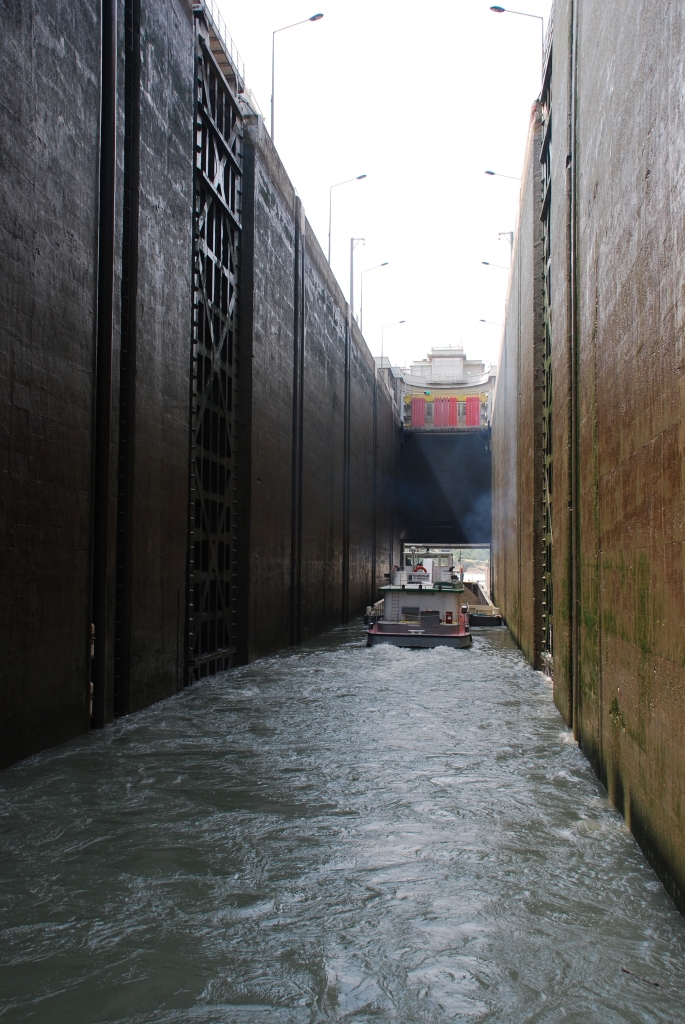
(617, 216)
(158, 519)
(562, 358)
(317, 436)
(631, 433)
(49, 117)
(52, 191)
(293, 396)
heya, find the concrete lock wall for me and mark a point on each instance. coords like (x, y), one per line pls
(58, 262)
(616, 217)
(49, 116)
(154, 509)
(95, 435)
(294, 395)
(516, 485)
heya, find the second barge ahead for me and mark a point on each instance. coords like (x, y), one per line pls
(420, 613)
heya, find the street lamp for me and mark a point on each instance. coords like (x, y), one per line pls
(524, 14)
(353, 245)
(491, 322)
(347, 181)
(498, 265)
(394, 324)
(496, 174)
(361, 292)
(314, 17)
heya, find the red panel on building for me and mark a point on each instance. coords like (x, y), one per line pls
(440, 413)
(452, 413)
(418, 412)
(473, 411)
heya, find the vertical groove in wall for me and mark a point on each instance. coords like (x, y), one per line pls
(539, 338)
(573, 367)
(298, 431)
(127, 357)
(374, 500)
(519, 523)
(245, 637)
(188, 624)
(546, 544)
(103, 365)
(346, 476)
(597, 528)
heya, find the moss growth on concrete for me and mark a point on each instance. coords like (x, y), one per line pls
(617, 716)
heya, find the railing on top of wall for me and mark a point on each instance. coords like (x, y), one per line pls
(213, 14)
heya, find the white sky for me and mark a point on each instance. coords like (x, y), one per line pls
(423, 98)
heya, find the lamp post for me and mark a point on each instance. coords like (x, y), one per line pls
(314, 17)
(354, 242)
(496, 174)
(347, 181)
(524, 14)
(492, 322)
(361, 292)
(383, 329)
(498, 265)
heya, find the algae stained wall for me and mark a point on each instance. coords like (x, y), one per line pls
(616, 224)
(630, 203)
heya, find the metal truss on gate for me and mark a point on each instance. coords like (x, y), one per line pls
(216, 254)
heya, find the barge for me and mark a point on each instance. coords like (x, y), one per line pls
(482, 612)
(421, 609)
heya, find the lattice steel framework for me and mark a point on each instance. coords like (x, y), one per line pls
(216, 255)
(547, 481)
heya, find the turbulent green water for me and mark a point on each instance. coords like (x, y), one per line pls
(335, 834)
